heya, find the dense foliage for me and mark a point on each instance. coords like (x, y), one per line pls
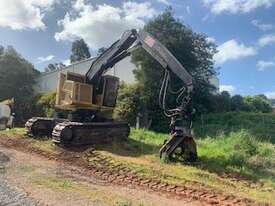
(44, 104)
(80, 51)
(260, 125)
(17, 77)
(128, 102)
(223, 102)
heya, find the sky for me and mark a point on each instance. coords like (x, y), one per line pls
(243, 30)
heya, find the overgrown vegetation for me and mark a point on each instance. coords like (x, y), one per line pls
(236, 154)
(234, 162)
(235, 151)
(259, 125)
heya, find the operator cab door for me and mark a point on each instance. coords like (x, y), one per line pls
(106, 93)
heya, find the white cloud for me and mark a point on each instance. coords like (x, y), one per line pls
(79, 5)
(22, 14)
(229, 88)
(266, 39)
(261, 26)
(103, 24)
(236, 6)
(67, 62)
(270, 95)
(134, 10)
(44, 59)
(166, 2)
(263, 65)
(211, 39)
(42, 3)
(232, 50)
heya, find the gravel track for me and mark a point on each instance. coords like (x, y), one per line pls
(10, 195)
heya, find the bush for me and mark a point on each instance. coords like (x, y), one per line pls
(129, 103)
(17, 77)
(238, 151)
(44, 104)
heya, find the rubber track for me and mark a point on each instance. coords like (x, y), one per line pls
(83, 132)
(32, 121)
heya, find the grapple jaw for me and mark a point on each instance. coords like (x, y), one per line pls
(180, 145)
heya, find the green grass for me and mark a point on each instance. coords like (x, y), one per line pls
(13, 132)
(45, 144)
(239, 152)
(55, 183)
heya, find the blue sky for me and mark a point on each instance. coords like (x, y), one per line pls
(244, 30)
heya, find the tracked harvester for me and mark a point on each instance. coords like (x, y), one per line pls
(91, 98)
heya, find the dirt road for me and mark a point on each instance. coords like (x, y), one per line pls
(29, 179)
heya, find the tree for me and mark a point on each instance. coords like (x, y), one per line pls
(130, 102)
(226, 101)
(237, 103)
(80, 51)
(1, 50)
(262, 103)
(17, 77)
(221, 102)
(258, 103)
(193, 51)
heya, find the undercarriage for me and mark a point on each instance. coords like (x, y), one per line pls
(71, 132)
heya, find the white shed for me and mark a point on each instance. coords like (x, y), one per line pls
(47, 81)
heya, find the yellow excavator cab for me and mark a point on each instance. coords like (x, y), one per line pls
(74, 93)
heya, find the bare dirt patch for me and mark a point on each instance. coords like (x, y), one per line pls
(55, 183)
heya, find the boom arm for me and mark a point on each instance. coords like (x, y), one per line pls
(126, 44)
